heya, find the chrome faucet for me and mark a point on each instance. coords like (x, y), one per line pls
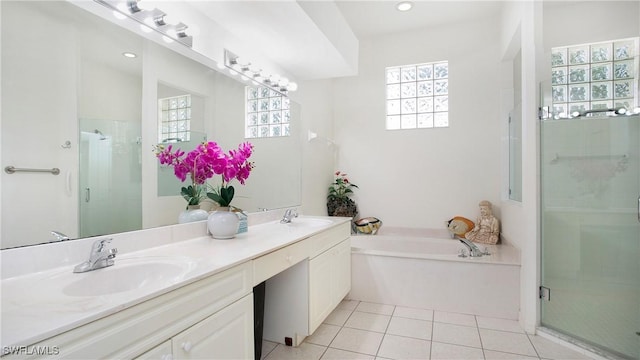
(59, 236)
(474, 250)
(288, 215)
(100, 257)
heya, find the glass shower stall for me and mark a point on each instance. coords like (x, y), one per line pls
(590, 219)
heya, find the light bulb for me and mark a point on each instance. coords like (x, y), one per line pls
(170, 19)
(292, 86)
(404, 6)
(145, 5)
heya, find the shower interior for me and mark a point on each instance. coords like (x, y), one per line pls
(590, 188)
(110, 177)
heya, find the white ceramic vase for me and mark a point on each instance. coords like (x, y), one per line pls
(191, 214)
(223, 224)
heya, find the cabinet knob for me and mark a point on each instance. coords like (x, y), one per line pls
(186, 346)
(288, 258)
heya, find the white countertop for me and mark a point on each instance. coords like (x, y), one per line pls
(35, 307)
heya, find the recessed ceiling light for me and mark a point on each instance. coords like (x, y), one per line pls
(129, 55)
(404, 6)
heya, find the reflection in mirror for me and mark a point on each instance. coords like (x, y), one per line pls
(110, 177)
(515, 133)
(93, 113)
(168, 183)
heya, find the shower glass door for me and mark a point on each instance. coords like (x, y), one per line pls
(110, 177)
(590, 179)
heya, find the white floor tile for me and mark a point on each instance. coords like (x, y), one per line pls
(404, 348)
(412, 313)
(348, 304)
(454, 318)
(304, 351)
(368, 321)
(548, 349)
(337, 354)
(360, 341)
(454, 352)
(362, 330)
(323, 335)
(338, 317)
(496, 355)
(499, 324)
(267, 347)
(507, 342)
(382, 309)
(456, 334)
(420, 329)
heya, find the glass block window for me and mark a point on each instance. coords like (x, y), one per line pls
(594, 76)
(268, 113)
(174, 119)
(417, 96)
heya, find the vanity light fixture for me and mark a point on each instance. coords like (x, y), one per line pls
(404, 6)
(249, 72)
(151, 18)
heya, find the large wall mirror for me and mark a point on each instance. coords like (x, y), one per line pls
(72, 100)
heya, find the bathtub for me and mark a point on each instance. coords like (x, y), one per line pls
(421, 269)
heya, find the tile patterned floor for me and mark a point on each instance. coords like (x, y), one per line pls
(361, 330)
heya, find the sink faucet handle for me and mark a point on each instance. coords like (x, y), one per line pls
(99, 245)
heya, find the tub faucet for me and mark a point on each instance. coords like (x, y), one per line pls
(100, 257)
(474, 251)
(288, 215)
(59, 236)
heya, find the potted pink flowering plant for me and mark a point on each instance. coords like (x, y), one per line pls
(204, 162)
(239, 168)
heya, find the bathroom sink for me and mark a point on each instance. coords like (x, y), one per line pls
(309, 222)
(127, 275)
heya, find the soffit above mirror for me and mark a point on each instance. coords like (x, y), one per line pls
(310, 40)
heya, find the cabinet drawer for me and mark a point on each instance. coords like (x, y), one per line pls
(325, 240)
(273, 263)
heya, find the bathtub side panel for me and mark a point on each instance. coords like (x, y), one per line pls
(478, 289)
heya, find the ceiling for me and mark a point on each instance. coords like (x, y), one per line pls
(375, 18)
(318, 39)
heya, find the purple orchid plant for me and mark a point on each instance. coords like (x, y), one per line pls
(204, 162)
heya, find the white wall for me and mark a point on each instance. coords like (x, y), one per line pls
(420, 178)
(318, 155)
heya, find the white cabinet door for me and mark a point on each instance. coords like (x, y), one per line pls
(227, 334)
(320, 297)
(342, 273)
(160, 352)
(329, 282)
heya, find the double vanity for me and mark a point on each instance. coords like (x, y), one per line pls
(175, 293)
